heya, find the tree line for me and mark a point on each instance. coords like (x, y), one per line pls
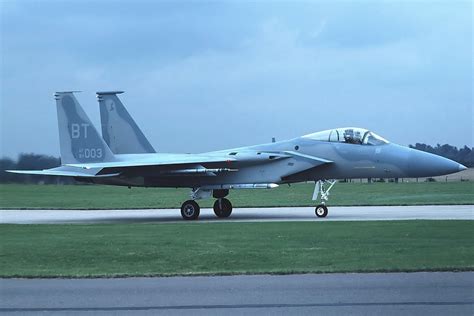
(464, 155)
(31, 162)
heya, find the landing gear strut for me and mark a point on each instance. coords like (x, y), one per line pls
(321, 210)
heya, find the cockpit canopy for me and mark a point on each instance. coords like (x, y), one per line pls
(350, 135)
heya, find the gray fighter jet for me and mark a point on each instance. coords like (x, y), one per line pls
(125, 157)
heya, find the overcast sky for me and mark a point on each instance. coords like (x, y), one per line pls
(203, 76)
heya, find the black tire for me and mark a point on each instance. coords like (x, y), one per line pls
(222, 208)
(190, 210)
(321, 211)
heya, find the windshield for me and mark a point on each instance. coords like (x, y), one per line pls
(374, 139)
(350, 135)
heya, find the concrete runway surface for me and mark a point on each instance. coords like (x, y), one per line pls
(354, 213)
(437, 293)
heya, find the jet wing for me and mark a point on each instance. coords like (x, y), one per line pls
(178, 165)
(161, 161)
(170, 161)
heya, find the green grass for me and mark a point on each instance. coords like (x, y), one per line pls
(234, 248)
(110, 197)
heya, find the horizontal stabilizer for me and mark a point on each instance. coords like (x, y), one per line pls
(63, 173)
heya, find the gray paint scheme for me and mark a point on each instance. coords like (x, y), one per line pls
(119, 130)
(78, 138)
(295, 160)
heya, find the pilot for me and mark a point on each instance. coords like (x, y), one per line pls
(349, 136)
(357, 138)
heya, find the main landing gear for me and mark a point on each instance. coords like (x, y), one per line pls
(222, 208)
(190, 210)
(321, 210)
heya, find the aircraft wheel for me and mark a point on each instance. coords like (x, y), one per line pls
(222, 208)
(190, 210)
(321, 210)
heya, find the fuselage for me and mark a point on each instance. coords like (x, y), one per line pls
(348, 161)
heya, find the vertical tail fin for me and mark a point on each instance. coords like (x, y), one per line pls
(119, 130)
(79, 141)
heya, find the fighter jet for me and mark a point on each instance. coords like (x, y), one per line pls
(124, 157)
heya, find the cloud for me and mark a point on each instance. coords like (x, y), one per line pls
(227, 74)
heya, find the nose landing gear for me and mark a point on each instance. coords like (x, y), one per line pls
(321, 210)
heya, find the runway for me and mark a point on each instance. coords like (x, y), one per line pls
(437, 293)
(355, 213)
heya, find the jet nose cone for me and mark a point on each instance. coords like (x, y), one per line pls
(462, 167)
(423, 164)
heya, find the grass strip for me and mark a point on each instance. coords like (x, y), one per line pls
(114, 250)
